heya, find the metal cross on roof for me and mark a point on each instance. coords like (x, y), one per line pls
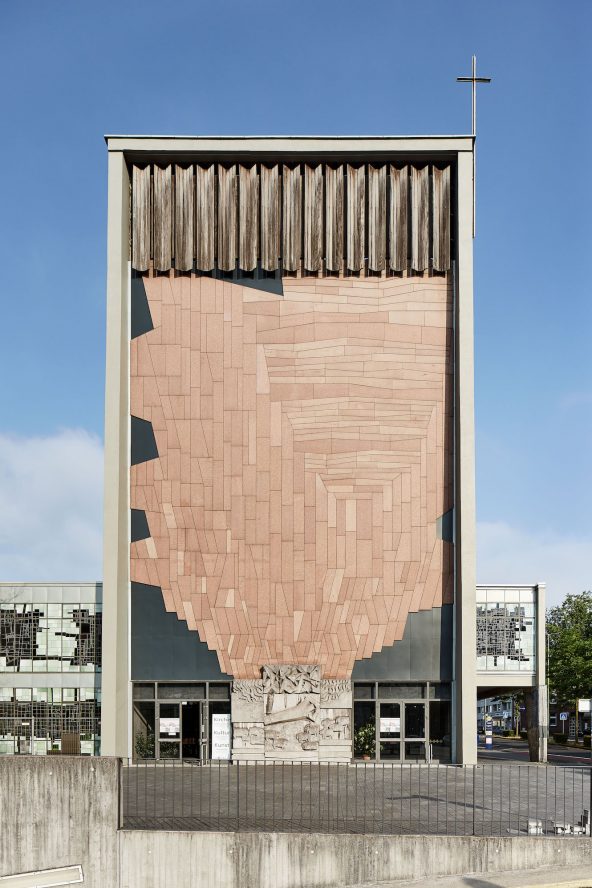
(474, 80)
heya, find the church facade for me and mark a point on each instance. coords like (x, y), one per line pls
(289, 503)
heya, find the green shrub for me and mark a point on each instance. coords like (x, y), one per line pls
(587, 741)
(508, 732)
(560, 738)
(145, 746)
(365, 740)
(524, 735)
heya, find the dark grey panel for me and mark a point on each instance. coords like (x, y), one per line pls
(423, 654)
(163, 648)
(141, 319)
(143, 443)
(138, 525)
(270, 281)
(445, 526)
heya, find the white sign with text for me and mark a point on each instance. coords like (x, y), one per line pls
(169, 727)
(221, 736)
(390, 725)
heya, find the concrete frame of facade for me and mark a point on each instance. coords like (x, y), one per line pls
(511, 680)
(504, 682)
(116, 710)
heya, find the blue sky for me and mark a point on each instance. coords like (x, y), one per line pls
(72, 71)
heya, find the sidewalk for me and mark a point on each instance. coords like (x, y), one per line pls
(553, 877)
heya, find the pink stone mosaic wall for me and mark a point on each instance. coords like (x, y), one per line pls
(305, 455)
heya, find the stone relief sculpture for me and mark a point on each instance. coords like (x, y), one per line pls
(336, 692)
(309, 738)
(280, 711)
(290, 712)
(275, 741)
(245, 736)
(247, 700)
(291, 679)
(248, 690)
(337, 728)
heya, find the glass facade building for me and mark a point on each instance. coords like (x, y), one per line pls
(50, 668)
(506, 629)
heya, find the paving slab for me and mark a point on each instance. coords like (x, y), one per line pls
(547, 877)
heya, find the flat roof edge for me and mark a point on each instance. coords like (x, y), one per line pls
(320, 144)
(4, 583)
(510, 585)
(108, 136)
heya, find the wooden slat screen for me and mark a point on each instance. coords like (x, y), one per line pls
(292, 218)
(398, 215)
(162, 211)
(249, 218)
(334, 218)
(141, 216)
(356, 218)
(227, 218)
(184, 236)
(270, 218)
(313, 218)
(205, 201)
(376, 217)
(420, 218)
(441, 219)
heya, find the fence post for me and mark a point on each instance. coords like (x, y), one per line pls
(590, 803)
(237, 793)
(474, 799)
(120, 793)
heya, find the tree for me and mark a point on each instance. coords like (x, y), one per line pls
(569, 633)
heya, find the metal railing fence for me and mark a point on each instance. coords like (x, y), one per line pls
(391, 799)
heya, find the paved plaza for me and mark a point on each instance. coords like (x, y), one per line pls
(485, 800)
(541, 877)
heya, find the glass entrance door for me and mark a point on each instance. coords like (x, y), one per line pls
(169, 731)
(192, 731)
(401, 730)
(415, 734)
(389, 731)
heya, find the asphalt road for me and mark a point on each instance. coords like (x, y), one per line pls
(517, 751)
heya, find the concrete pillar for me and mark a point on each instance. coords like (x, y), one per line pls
(537, 702)
(465, 685)
(536, 723)
(115, 676)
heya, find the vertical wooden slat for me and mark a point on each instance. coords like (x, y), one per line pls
(313, 217)
(141, 218)
(420, 218)
(270, 218)
(398, 222)
(441, 219)
(163, 217)
(356, 195)
(184, 230)
(226, 218)
(334, 218)
(204, 198)
(376, 218)
(248, 251)
(292, 217)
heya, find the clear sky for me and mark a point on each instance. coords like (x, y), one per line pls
(72, 70)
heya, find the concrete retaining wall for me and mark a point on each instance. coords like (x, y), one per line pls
(284, 860)
(59, 811)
